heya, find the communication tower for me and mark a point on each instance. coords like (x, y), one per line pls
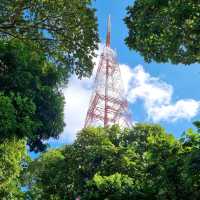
(108, 103)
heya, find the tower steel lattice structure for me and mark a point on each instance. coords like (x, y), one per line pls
(108, 104)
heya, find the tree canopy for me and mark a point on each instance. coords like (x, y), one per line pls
(165, 31)
(13, 159)
(66, 30)
(143, 162)
(31, 103)
(41, 44)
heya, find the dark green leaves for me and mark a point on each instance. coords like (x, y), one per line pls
(30, 101)
(66, 30)
(165, 31)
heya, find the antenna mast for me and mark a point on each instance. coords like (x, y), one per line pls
(108, 104)
(108, 32)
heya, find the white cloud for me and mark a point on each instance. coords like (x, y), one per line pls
(127, 76)
(77, 97)
(139, 85)
(182, 109)
(150, 89)
(157, 97)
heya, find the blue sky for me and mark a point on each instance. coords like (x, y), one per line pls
(171, 89)
(184, 79)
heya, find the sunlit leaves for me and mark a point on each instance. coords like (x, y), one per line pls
(66, 30)
(165, 31)
(12, 156)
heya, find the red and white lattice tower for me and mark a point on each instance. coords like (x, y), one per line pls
(108, 104)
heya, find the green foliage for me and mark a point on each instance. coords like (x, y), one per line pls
(140, 163)
(7, 115)
(12, 161)
(116, 186)
(66, 30)
(192, 162)
(31, 104)
(165, 31)
(50, 173)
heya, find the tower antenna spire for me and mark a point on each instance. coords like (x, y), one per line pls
(108, 32)
(108, 104)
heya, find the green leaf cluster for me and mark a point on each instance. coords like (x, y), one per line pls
(165, 31)
(13, 159)
(143, 162)
(31, 103)
(65, 30)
